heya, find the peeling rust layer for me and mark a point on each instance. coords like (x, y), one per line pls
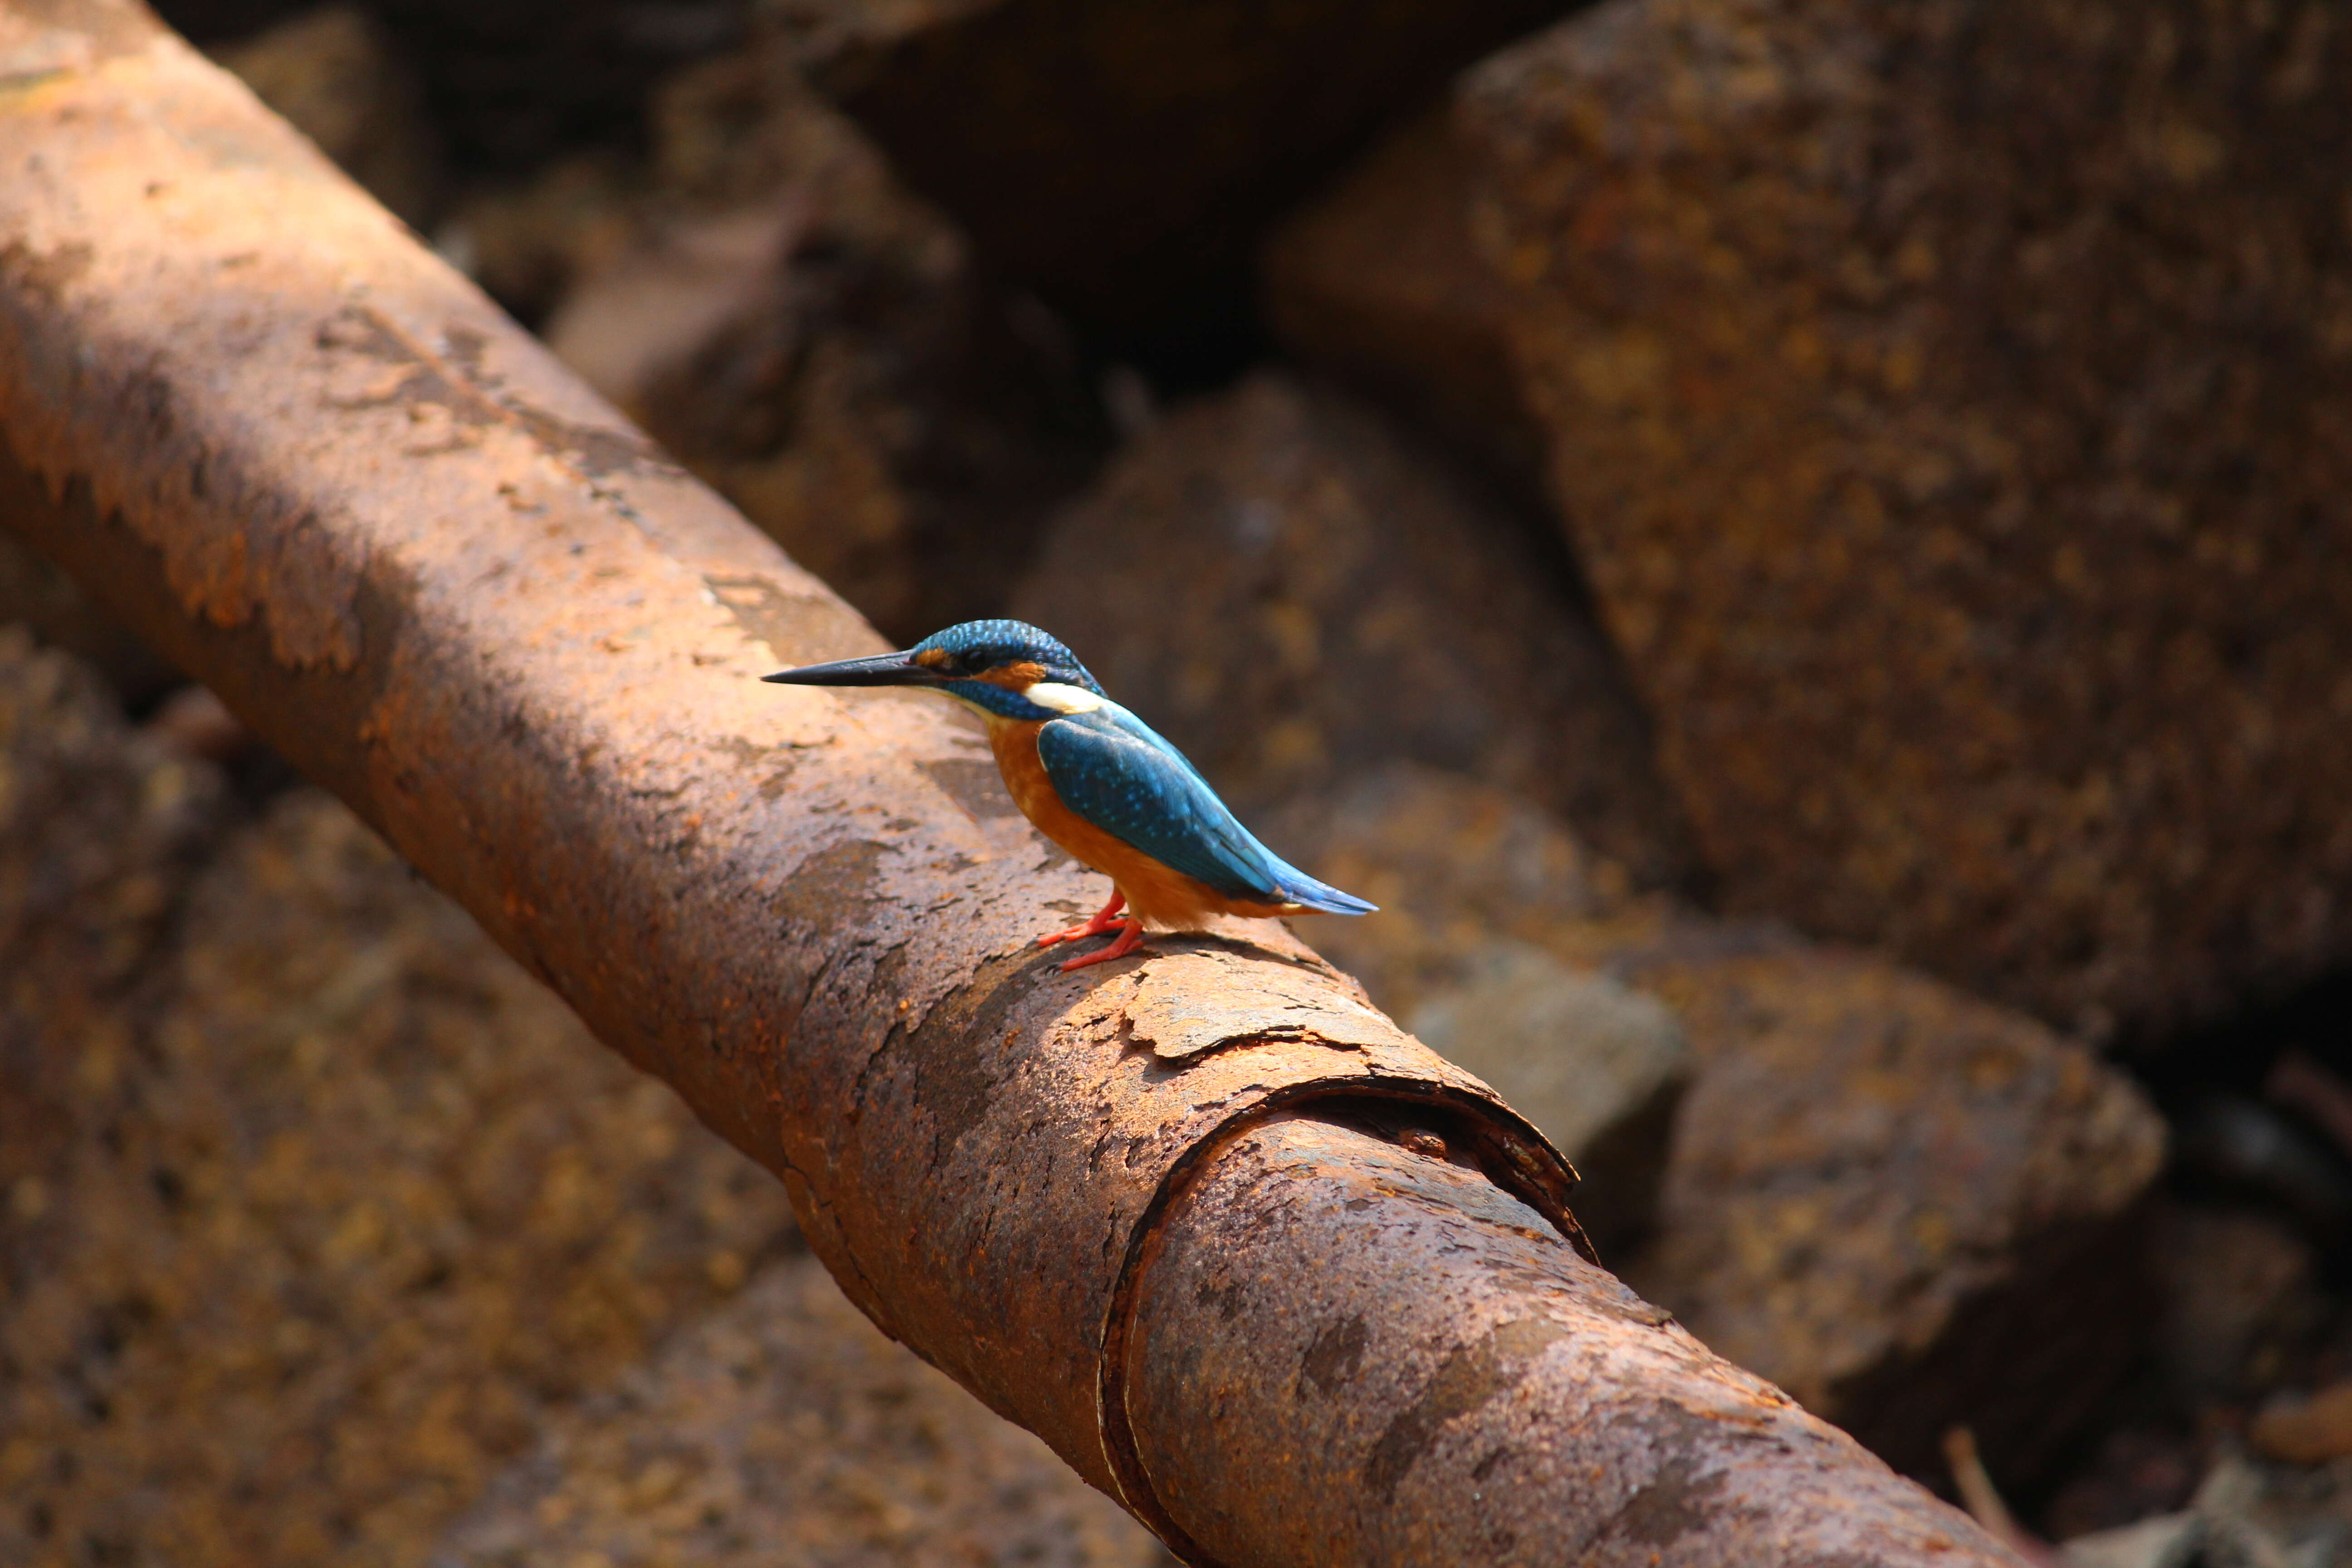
(1523, 1409)
(320, 471)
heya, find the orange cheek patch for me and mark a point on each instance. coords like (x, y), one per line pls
(932, 657)
(1018, 677)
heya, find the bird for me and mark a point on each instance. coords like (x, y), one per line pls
(1099, 783)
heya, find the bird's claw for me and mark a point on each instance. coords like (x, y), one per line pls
(1129, 942)
(1106, 918)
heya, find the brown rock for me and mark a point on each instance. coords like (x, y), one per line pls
(784, 1428)
(1377, 281)
(101, 829)
(1949, 401)
(2310, 1431)
(340, 1208)
(812, 341)
(1910, 1209)
(1292, 592)
(337, 75)
(2240, 1295)
(1121, 159)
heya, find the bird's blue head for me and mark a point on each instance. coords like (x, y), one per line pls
(1006, 668)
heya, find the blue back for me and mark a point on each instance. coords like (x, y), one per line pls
(1117, 773)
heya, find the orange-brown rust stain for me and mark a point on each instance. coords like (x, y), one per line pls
(1159, 895)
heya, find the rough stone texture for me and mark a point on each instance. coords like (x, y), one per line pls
(2241, 1296)
(100, 831)
(1121, 158)
(1291, 590)
(783, 1428)
(334, 1219)
(812, 341)
(335, 73)
(1377, 281)
(1952, 406)
(1906, 1207)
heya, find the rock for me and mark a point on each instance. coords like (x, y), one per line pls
(1291, 590)
(2245, 1512)
(813, 341)
(2159, 1543)
(1377, 281)
(337, 75)
(2307, 1431)
(1121, 160)
(1600, 1067)
(1911, 1209)
(338, 1206)
(784, 1428)
(1948, 402)
(2240, 1295)
(102, 830)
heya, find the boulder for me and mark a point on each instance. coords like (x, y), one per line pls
(813, 341)
(1377, 281)
(1909, 1208)
(1949, 404)
(1120, 158)
(1293, 591)
(783, 1427)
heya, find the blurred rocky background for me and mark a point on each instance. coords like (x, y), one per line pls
(1793, 547)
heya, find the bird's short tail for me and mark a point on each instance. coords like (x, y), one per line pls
(1297, 886)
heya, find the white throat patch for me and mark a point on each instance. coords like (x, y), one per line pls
(1062, 699)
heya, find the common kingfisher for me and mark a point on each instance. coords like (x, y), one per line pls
(1100, 782)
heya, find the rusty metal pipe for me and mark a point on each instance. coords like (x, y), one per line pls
(1169, 1218)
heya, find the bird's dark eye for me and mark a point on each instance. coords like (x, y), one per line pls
(975, 661)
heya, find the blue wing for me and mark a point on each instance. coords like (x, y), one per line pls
(1111, 768)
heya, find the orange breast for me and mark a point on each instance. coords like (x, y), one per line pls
(1160, 895)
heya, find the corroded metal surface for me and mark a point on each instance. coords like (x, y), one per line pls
(245, 408)
(1526, 1410)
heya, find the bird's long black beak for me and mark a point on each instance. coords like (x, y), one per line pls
(882, 670)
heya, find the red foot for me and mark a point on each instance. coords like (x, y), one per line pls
(1129, 941)
(1105, 920)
